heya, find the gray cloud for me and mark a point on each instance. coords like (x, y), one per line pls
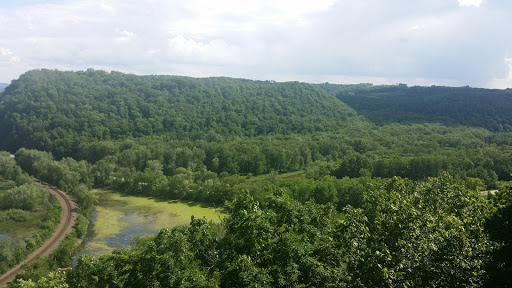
(416, 42)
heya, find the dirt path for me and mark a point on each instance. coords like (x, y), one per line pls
(68, 218)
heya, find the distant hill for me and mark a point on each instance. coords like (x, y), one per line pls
(45, 109)
(487, 108)
(2, 86)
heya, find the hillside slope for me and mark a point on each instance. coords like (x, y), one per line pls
(48, 109)
(476, 107)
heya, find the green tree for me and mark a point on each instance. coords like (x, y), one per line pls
(30, 197)
(52, 280)
(425, 234)
(499, 227)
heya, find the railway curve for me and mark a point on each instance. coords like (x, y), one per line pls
(67, 221)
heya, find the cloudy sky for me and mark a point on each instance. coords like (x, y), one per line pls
(421, 42)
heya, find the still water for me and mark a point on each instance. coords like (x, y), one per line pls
(119, 218)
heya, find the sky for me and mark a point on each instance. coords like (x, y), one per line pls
(421, 42)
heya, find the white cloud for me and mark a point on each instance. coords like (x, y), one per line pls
(5, 51)
(14, 59)
(505, 82)
(417, 27)
(262, 9)
(124, 35)
(466, 3)
(234, 15)
(105, 6)
(192, 51)
(423, 41)
(8, 55)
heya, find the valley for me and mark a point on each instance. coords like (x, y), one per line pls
(316, 184)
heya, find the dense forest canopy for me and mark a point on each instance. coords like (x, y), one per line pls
(48, 110)
(476, 107)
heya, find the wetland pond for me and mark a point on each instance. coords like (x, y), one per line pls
(18, 231)
(120, 218)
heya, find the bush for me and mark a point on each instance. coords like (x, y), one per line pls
(30, 197)
(17, 215)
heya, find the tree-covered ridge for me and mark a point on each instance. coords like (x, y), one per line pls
(49, 110)
(487, 108)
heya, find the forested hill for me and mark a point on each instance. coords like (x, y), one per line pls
(2, 86)
(487, 108)
(47, 109)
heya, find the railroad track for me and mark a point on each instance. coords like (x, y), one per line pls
(68, 218)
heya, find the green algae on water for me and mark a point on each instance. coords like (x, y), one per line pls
(120, 218)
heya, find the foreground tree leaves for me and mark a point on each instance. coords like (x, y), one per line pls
(500, 230)
(181, 257)
(425, 234)
(404, 234)
(287, 244)
(52, 280)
